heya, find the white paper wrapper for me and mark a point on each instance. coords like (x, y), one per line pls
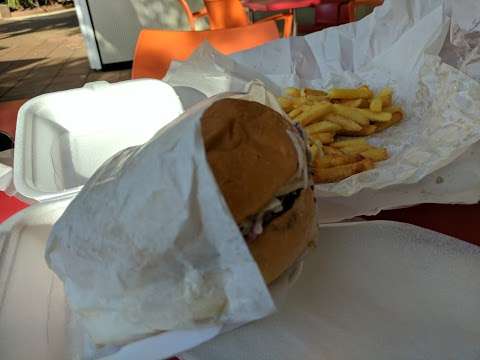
(374, 290)
(398, 46)
(458, 182)
(462, 48)
(149, 243)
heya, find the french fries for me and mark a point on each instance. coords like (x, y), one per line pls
(350, 142)
(324, 138)
(322, 126)
(315, 92)
(394, 109)
(375, 116)
(316, 98)
(355, 150)
(339, 112)
(396, 118)
(295, 112)
(314, 151)
(351, 113)
(291, 91)
(315, 112)
(300, 101)
(286, 103)
(341, 172)
(364, 131)
(359, 93)
(328, 150)
(375, 154)
(376, 105)
(386, 95)
(353, 103)
(328, 161)
(343, 122)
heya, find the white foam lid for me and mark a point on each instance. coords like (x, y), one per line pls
(63, 137)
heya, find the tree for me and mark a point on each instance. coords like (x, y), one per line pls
(17, 4)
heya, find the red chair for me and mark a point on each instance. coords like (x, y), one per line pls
(156, 49)
(336, 12)
(354, 4)
(328, 13)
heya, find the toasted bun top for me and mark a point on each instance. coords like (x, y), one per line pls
(250, 152)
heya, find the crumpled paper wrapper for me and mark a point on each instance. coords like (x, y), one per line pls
(372, 290)
(462, 48)
(149, 243)
(397, 46)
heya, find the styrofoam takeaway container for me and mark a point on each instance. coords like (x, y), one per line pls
(61, 139)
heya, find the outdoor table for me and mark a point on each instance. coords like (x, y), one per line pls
(280, 5)
(459, 221)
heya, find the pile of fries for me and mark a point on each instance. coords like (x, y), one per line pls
(349, 112)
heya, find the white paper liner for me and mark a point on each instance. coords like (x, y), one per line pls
(149, 243)
(397, 46)
(373, 290)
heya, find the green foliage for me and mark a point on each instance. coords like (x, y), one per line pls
(18, 4)
(13, 4)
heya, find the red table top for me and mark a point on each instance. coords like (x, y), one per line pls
(9, 206)
(279, 5)
(460, 221)
(8, 116)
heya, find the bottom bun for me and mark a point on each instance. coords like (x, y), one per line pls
(286, 238)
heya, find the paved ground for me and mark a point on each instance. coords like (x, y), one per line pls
(44, 54)
(43, 9)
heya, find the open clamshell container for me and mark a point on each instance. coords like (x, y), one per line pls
(61, 139)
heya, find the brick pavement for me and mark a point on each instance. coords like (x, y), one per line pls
(45, 54)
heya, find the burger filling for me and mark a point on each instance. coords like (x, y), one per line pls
(252, 227)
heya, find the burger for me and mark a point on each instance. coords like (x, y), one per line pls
(260, 163)
(135, 263)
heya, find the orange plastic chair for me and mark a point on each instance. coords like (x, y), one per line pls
(156, 49)
(192, 16)
(224, 14)
(354, 4)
